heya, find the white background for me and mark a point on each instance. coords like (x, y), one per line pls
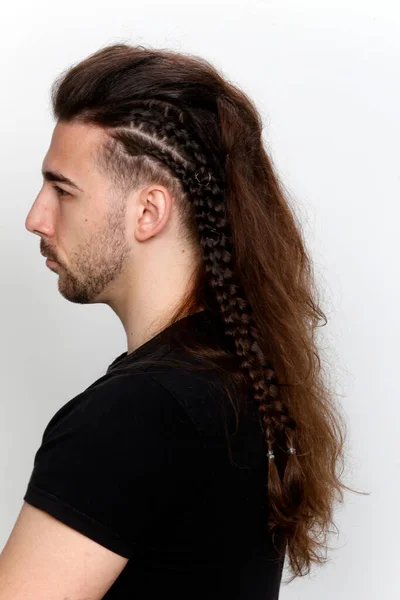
(325, 77)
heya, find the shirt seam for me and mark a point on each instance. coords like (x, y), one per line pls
(186, 412)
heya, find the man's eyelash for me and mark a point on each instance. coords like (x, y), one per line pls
(60, 191)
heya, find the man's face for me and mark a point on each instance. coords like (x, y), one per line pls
(83, 230)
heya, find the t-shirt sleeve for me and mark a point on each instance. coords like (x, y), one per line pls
(115, 461)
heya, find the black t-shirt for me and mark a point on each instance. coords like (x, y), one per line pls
(138, 462)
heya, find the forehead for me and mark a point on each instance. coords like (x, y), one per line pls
(72, 149)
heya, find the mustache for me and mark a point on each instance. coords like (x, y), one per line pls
(47, 254)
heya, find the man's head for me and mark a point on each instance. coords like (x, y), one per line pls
(100, 238)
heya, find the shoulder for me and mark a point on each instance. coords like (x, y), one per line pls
(118, 400)
(116, 445)
(199, 389)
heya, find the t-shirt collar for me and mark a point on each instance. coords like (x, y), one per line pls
(161, 341)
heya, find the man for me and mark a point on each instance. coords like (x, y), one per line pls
(115, 481)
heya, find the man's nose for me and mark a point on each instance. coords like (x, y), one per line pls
(40, 218)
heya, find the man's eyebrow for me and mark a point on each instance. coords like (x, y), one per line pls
(54, 176)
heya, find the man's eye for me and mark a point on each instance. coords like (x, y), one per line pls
(59, 191)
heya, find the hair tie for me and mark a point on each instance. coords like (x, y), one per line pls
(271, 455)
(197, 178)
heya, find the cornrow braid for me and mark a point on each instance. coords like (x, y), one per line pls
(164, 131)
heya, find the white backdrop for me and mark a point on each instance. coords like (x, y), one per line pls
(325, 76)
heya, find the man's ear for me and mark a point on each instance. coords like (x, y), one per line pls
(154, 207)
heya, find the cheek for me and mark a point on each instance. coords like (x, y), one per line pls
(72, 230)
(72, 220)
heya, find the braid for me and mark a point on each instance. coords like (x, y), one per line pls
(164, 131)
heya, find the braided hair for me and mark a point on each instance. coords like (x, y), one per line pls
(174, 117)
(163, 130)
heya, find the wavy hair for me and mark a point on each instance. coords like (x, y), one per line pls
(174, 119)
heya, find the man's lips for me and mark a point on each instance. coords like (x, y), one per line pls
(48, 257)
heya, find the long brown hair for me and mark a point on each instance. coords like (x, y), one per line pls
(174, 119)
